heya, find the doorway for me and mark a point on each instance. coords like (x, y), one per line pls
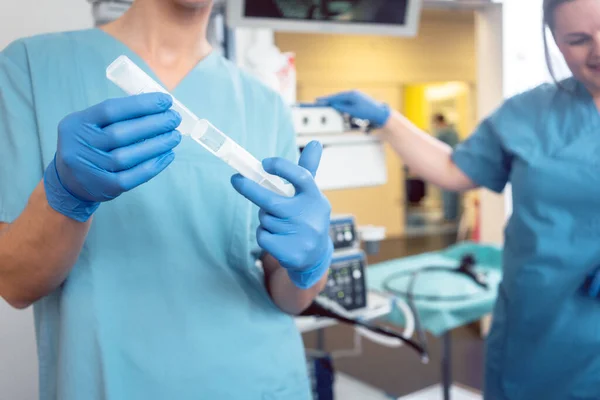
(444, 110)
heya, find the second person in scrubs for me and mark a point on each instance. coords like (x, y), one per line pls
(545, 338)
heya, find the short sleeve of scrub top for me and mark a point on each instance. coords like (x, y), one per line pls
(20, 166)
(482, 156)
(510, 132)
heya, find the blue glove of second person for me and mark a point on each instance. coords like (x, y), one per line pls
(358, 105)
(294, 230)
(109, 149)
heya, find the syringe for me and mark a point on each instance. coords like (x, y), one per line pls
(133, 80)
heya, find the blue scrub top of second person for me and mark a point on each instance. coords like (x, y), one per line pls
(165, 301)
(545, 338)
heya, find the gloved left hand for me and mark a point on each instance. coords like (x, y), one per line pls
(294, 230)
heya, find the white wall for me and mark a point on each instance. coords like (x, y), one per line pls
(524, 60)
(18, 18)
(490, 94)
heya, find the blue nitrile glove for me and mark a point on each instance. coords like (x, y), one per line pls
(108, 149)
(358, 105)
(294, 230)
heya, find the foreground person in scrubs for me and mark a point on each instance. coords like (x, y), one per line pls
(545, 339)
(131, 241)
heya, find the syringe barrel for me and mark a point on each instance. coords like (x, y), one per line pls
(133, 81)
(238, 158)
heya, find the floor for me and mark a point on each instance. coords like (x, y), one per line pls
(435, 393)
(348, 388)
(399, 372)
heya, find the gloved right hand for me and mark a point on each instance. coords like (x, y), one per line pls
(109, 149)
(358, 105)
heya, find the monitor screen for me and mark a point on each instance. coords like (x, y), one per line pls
(382, 17)
(344, 11)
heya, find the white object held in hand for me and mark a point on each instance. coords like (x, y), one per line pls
(133, 81)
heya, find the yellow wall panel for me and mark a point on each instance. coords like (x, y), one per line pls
(415, 106)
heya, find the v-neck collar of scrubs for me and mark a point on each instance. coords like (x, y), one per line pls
(205, 63)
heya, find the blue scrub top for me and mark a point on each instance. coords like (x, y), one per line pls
(545, 338)
(165, 301)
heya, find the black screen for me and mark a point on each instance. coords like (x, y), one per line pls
(391, 12)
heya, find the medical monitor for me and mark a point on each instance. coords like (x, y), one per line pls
(374, 17)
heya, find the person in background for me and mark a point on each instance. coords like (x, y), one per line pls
(545, 337)
(130, 241)
(446, 133)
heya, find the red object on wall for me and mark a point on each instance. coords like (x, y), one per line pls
(476, 235)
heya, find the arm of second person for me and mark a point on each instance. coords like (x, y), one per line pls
(286, 295)
(37, 251)
(426, 156)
